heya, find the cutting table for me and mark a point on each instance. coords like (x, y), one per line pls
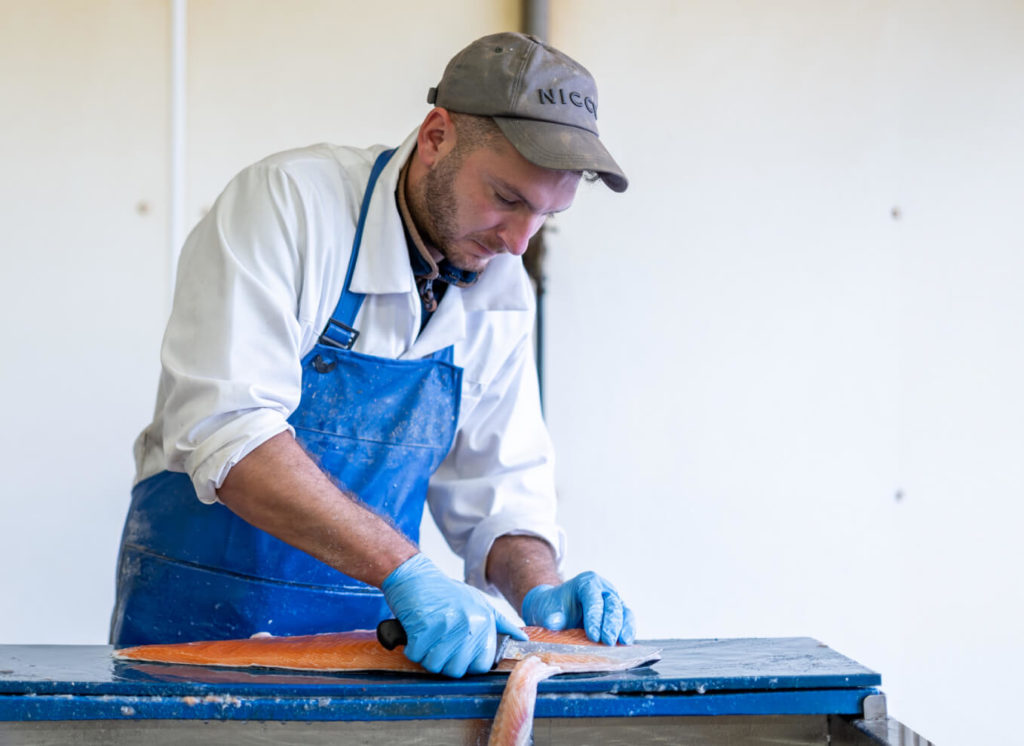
(718, 691)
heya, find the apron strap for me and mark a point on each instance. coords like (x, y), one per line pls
(445, 355)
(339, 331)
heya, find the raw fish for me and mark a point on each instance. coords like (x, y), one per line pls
(357, 650)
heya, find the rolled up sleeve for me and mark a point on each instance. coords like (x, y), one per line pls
(231, 354)
(498, 478)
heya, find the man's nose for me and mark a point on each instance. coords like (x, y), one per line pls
(518, 231)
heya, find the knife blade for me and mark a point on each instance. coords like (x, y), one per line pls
(586, 657)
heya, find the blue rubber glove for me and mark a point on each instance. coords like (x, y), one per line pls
(588, 601)
(452, 628)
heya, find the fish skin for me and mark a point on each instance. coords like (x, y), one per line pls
(513, 724)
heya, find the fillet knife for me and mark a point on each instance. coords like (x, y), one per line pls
(391, 634)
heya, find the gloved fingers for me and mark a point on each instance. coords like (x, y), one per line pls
(591, 600)
(483, 661)
(544, 606)
(474, 645)
(464, 642)
(611, 622)
(431, 631)
(438, 656)
(588, 600)
(554, 619)
(506, 626)
(628, 633)
(421, 642)
(535, 604)
(468, 656)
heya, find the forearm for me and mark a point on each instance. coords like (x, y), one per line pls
(516, 564)
(279, 489)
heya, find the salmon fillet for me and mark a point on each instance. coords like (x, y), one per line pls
(345, 651)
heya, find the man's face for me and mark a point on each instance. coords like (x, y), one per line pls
(489, 201)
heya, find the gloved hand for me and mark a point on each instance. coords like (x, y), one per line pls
(452, 629)
(587, 601)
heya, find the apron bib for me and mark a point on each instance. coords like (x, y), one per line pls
(378, 427)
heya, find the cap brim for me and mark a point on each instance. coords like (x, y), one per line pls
(564, 148)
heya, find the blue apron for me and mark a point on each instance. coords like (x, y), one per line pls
(378, 427)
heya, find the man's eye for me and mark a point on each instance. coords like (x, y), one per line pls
(504, 200)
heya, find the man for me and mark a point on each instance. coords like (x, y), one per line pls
(351, 337)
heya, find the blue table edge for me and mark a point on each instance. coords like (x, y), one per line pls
(65, 707)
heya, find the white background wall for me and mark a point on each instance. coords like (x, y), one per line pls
(780, 409)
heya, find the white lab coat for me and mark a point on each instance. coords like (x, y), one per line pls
(258, 279)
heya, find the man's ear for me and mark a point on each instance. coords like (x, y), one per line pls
(436, 137)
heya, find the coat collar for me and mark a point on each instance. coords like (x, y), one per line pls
(383, 262)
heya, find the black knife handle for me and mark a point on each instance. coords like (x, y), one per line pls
(391, 634)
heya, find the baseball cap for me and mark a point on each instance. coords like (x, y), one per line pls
(544, 102)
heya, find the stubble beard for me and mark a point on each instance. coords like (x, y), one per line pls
(438, 210)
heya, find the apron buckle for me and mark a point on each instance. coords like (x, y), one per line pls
(339, 334)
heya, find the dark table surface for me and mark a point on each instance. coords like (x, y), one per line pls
(708, 676)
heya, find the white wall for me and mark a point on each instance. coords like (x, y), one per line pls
(83, 216)
(748, 356)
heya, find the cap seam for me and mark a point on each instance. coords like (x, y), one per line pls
(517, 85)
